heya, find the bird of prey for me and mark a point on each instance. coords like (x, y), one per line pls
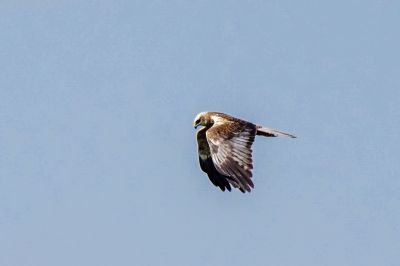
(224, 148)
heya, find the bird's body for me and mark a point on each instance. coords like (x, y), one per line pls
(224, 147)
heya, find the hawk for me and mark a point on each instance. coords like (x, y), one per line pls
(224, 148)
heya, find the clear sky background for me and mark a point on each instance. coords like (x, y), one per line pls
(98, 159)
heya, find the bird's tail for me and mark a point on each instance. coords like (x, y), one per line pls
(270, 132)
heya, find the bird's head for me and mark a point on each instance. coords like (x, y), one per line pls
(202, 119)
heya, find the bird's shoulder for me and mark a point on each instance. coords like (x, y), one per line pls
(227, 126)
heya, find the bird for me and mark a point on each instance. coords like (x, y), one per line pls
(225, 148)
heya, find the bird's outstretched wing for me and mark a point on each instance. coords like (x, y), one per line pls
(207, 165)
(230, 146)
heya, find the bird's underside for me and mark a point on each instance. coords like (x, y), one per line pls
(224, 148)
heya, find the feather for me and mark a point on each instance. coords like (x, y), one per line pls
(270, 132)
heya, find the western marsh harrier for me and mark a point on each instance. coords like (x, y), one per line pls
(224, 147)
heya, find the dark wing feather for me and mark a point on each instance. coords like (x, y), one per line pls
(230, 145)
(207, 165)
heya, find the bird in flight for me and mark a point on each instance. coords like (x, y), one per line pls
(224, 148)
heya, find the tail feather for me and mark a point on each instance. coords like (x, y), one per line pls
(270, 132)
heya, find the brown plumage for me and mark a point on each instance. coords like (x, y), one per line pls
(224, 147)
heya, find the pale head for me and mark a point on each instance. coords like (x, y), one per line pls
(202, 119)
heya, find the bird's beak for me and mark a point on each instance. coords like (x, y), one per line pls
(195, 126)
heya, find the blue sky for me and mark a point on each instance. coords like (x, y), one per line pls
(98, 162)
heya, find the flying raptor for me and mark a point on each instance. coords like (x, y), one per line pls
(224, 147)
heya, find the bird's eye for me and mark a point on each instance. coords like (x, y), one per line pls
(197, 121)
